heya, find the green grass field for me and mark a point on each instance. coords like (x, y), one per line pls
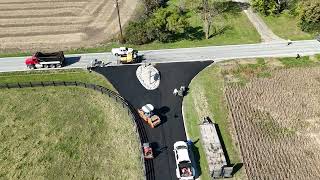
(206, 98)
(291, 30)
(55, 75)
(66, 133)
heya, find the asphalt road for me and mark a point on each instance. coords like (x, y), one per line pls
(216, 53)
(168, 106)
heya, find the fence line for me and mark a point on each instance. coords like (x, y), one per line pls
(137, 123)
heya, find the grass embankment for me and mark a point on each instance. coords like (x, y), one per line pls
(66, 133)
(56, 75)
(206, 98)
(291, 30)
(232, 27)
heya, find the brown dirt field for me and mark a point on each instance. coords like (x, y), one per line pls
(59, 24)
(277, 121)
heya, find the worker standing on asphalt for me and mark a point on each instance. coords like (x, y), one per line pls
(175, 91)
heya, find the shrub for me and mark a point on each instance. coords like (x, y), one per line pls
(309, 15)
(137, 33)
(266, 7)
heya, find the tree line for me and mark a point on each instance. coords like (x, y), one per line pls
(163, 23)
(307, 11)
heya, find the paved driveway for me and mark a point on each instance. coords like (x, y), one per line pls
(173, 75)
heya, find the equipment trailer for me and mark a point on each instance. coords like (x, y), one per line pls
(45, 60)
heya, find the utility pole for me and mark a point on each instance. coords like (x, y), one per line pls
(120, 28)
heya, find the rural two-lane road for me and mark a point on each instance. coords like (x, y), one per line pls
(216, 53)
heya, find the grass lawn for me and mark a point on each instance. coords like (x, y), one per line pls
(206, 98)
(66, 133)
(230, 28)
(285, 26)
(56, 75)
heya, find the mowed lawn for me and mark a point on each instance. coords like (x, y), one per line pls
(66, 133)
(55, 75)
(291, 31)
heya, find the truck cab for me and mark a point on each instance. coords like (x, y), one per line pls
(121, 51)
(184, 169)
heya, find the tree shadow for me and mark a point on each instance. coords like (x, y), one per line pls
(235, 7)
(194, 33)
(219, 30)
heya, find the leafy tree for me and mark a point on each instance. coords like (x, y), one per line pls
(166, 24)
(163, 25)
(137, 33)
(309, 15)
(266, 7)
(208, 9)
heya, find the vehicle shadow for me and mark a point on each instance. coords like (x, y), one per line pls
(71, 60)
(157, 149)
(195, 158)
(236, 166)
(162, 114)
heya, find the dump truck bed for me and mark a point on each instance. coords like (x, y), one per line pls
(48, 57)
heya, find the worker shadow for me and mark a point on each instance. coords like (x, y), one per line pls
(71, 60)
(196, 158)
(162, 114)
(157, 149)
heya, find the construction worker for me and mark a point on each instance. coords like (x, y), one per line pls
(175, 91)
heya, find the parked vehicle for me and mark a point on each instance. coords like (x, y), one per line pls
(146, 113)
(147, 151)
(45, 60)
(131, 57)
(318, 37)
(184, 170)
(121, 51)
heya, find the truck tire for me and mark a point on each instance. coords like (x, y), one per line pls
(58, 65)
(116, 54)
(32, 66)
(45, 66)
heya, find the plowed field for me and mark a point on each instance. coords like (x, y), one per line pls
(277, 121)
(59, 24)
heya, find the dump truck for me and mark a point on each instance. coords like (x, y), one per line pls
(146, 113)
(184, 169)
(45, 60)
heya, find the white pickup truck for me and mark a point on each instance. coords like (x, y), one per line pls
(184, 170)
(121, 51)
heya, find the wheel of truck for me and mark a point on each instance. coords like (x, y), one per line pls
(45, 65)
(116, 54)
(32, 66)
(54, 66)
(58, 65)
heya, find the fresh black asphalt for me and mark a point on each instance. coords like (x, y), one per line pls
(172, 75)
